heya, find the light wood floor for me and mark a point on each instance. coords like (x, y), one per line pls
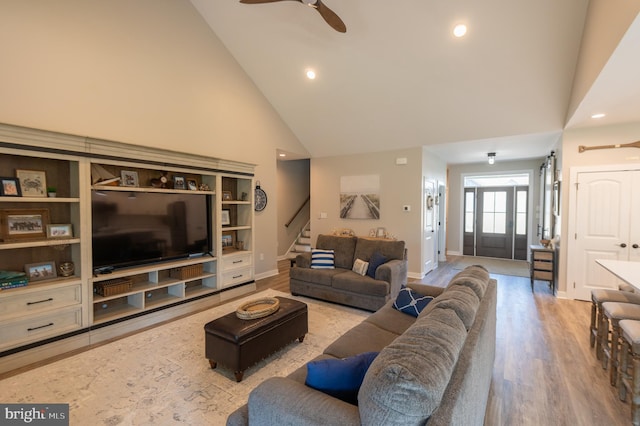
(545, 373)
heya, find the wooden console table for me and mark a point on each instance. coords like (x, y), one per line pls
(543, 265)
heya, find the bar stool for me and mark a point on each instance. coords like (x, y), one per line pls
(598, 297)
(613, 313)
(630, 381)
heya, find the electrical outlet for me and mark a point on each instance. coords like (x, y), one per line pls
(261, 256)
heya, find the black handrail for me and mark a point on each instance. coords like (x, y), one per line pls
(298, 212)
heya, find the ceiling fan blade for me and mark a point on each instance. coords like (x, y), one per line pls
(263, 1)
(331, 17)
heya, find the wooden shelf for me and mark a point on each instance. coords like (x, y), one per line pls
(149, 189)
(39, 200)
(51, 242)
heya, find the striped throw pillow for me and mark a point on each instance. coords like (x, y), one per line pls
(322, 259)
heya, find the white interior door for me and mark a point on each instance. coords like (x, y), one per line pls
(429, 228)
(603, 228)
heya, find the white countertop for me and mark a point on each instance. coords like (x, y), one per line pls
(627, 271)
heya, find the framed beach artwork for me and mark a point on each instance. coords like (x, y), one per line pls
(360, 197)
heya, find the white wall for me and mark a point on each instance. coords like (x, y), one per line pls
(571, 157)
(145, 72)
(606, 23)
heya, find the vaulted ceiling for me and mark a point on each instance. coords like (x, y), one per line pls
(398, 78)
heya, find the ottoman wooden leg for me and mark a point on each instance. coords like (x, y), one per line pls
(212, 363)
(301, 339)
(239, 375)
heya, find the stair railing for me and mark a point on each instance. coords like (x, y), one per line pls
(298, 212)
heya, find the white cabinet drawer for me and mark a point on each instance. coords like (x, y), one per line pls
(31, 302)
(236, 276)
(236, 261)
(38, 327)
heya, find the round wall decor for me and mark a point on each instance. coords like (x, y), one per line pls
(260, 198)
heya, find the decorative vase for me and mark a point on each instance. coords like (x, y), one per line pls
(66, 269)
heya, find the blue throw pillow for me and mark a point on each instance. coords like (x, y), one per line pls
(340, 378)
(376, 260)
(322, 259)
(410, 302)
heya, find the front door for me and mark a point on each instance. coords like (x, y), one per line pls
(494, 222)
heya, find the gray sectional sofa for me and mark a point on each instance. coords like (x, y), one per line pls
(435, 369)
(342, 285)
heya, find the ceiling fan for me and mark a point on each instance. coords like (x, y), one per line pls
(328, 14)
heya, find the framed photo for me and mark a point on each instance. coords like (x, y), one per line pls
(226, 219)
(192, 185)
(60, 231)
(227, 241)
(179, 182)
(21, 224)
(381, 232)
(129, 178)
(40, 271)
(226, 196)
(33, 183)
(10, 187)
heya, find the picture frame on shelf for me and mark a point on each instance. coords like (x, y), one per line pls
(226, 196)
(179, 182)
(192, 184)
(10, 187)
(226, 218)
(381, 233)
(40, 271)
(20, 224)
(62, 230)
(227, 241)
(129, 178)
(33, 183)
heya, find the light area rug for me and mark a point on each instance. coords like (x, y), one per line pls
(161, 377)
(517, 268)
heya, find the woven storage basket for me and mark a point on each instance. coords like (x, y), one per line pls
(114, 286)
(258, 308)
(186, 272)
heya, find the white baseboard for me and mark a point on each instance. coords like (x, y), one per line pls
(453, 253)
(266, 274)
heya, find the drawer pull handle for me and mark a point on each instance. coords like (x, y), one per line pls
(237, 276)
(237, 261)
(40, 301)
(42, 326)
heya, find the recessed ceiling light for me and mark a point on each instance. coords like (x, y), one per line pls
(459, 30)
(282, 154)
(311, 74)
(599, 115)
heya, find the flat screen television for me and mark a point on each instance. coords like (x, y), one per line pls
(133, 228)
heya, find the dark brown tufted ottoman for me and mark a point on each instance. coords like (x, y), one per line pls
(238, 343)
